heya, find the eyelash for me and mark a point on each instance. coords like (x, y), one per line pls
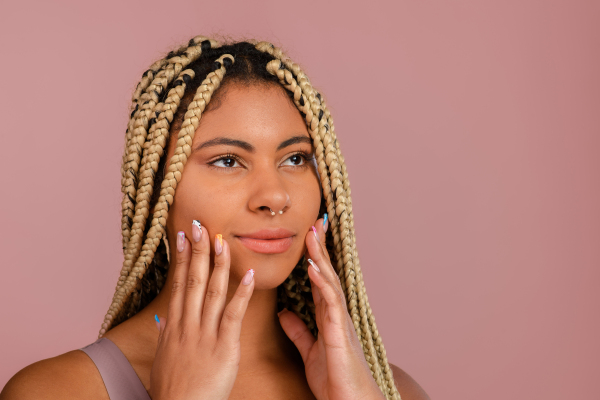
(225, 157)
(307, 157)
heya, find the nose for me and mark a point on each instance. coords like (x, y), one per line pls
(269, 194)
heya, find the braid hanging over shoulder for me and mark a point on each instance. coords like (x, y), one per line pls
(201, 66)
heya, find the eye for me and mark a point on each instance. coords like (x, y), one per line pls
(226, 162)
(295, 160)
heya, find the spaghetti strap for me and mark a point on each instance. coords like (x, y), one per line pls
(120, 379)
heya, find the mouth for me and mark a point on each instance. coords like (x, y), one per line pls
(268, 241)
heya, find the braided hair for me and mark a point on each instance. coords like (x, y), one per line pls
(171, 97)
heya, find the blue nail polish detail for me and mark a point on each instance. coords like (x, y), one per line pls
(156, 318)
(324, 219)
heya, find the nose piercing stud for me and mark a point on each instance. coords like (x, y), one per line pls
(273, 212)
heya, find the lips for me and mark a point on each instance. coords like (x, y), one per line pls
(268, 241)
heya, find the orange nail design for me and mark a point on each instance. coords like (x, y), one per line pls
(218, 244)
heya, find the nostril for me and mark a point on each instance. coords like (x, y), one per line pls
(265, 208)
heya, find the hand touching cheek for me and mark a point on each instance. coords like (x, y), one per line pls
(335, 365)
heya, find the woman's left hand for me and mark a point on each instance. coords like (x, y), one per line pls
(334, 362)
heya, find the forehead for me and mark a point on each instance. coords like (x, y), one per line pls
(258, 113)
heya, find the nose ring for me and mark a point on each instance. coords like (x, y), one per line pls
(273, 212)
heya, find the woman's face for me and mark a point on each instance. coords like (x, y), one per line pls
(250, 154)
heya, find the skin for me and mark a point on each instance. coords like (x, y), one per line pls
(271, 356)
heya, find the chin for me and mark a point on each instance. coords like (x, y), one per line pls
(270, 270)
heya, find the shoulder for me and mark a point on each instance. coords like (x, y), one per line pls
(72, 375)
(409, 388)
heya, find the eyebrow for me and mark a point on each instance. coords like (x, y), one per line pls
(294, 140)
(226, 141)
(247, 146)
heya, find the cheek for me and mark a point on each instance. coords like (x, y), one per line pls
(306, 199)
(197, 197)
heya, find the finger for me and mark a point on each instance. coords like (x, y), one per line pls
(197, 278)
(318, 301)
(333, 298)
(319, 233)
(316, 293)
(216, 294)
(320, 256)
(231, 323)
(297, 331)
(182, 260)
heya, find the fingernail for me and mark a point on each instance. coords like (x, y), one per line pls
(315, 232)
(196, 230)
(248, 277)
(325, 223)
(218, 243)
(311, 262)
(157, 321)
(281, 312)
(180, 241)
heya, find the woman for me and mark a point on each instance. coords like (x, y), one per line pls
(259, 232)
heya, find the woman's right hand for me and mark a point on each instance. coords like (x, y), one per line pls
(198, 351)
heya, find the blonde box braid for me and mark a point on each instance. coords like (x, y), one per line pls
(148, 134)
(133, 212)
(144, 99)
(154, 148)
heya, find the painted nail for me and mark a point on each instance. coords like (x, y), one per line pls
(196, 230)
(218, 243)
(315, 232)
(248, 277)
(180, 241)
(311, 262)
(157, 321)
(325, 223)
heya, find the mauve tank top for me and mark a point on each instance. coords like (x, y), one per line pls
(121, 381)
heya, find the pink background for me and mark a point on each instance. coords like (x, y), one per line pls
(471, 133)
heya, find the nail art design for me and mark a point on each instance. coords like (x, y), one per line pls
(315, 232)
(180, 241)
(156, 318)
(311, 262)
(248, 277)
(325, 224)
(218, 243)
(196, 230)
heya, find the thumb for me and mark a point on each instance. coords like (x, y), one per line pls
(297, 331)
